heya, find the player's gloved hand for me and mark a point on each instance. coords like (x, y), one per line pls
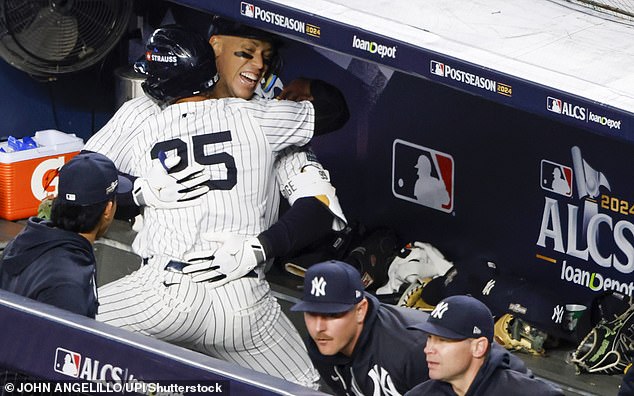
(236, 257)
(160, 189)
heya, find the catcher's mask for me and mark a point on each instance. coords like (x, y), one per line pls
(224, 27)
(178, 63)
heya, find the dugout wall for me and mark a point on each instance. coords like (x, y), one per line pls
(523, 113)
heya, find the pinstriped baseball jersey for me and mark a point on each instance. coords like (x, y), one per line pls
(236, 139)
(240, 322)
(289, 163)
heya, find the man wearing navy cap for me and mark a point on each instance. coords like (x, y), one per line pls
(54, 262)
(359, 345)
(460, 356)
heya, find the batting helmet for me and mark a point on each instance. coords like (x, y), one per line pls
(178, 63)
(224, 27)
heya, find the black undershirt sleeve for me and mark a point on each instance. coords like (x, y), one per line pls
(303, 223)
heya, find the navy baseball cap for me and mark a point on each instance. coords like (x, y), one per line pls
(89, 178)
(458, 318)
(225, 27)
(330, 287)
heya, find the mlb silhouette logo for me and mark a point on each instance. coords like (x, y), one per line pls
(554, 105)
(247, 10)
(437, 68)
(556, 178)
(67, 362)
(422, 175)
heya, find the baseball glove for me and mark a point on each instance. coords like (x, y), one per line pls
(415, 260)
(373, 256)
(607, 347)
(517, 335)
(412, 297)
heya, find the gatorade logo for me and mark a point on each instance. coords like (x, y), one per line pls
(42, 176)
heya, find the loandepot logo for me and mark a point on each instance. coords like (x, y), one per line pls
(582, 232)
(605, 121)
(594, 280)
(252, 11)
(374, 48)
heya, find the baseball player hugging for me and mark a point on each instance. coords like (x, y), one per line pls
(205, 154)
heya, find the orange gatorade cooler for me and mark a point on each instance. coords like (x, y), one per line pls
(27, 176)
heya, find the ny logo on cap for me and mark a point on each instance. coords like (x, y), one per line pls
(440, 310)
(488, 287)
(558, 314)
(319, 287)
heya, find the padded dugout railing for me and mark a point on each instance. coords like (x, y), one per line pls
(41, 344)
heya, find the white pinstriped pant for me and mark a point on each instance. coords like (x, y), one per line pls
(240, 322)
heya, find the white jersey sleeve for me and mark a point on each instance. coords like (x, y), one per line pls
(113, 139)
(285, 123)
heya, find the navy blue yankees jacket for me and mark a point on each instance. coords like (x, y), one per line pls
(51, 265)
(495, 378)
(386, 358)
